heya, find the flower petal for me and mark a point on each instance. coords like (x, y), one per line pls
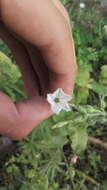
(56, 93)
(56, 108)
(63, 95)
(65, 106)
(50, 98)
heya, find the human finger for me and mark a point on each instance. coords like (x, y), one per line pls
(22, 59)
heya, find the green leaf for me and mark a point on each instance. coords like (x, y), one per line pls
(3, 188)
(4, 58)
(60, 124)
(79, 138)
(83, 78)
(23, 187)
(98, 88)
(104, 186)
(30, 173)
(103, 73)
(81, 95)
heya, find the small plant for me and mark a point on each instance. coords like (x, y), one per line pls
(67, 151)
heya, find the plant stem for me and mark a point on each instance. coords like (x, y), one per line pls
(98, 142)
(88, 178)
(73, 185)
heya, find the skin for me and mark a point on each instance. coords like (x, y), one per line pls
(40, 39)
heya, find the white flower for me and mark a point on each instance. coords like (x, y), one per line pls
(82, 5)
(59, 101)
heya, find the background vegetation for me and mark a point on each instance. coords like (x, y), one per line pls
(69, 151)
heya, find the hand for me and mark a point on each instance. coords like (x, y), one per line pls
(43, 48)
(18, 119)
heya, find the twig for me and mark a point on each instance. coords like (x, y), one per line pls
(88, 178)
(98, 141)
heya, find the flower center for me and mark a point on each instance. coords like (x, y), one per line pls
(57, 100)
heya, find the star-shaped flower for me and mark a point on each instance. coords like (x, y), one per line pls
(59, 101)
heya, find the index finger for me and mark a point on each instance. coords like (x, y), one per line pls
(50, 32)
(61, 60)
